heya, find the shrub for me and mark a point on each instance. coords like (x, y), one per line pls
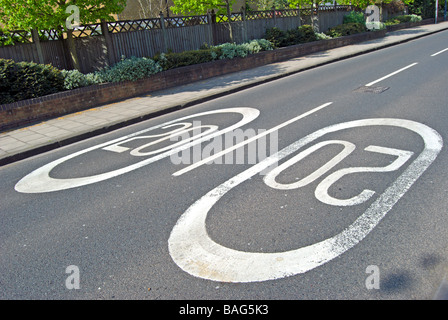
(322, 36)
(280, 38)
(74, 79)
(415, 18)
(128, 70)
(403, 19)
(26, 80)
(257, 45)
(391, 22)
(375, 25)
(394, 6)
(354, 17)
(275, 36)
(264, 44)
(174, 60)
(346, 29)
(232, 50)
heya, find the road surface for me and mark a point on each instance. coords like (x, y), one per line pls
(328, 184)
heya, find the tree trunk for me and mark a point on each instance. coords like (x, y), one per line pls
(229, 14)
(72, 50)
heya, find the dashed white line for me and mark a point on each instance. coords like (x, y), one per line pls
(391, 74)
(437, 53)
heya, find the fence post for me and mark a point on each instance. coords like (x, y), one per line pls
(243, 17)
(214, 28)
(109, 44)
(273, 16)
(315, 17)
(164, 36)
(36, 41)
(210, 29)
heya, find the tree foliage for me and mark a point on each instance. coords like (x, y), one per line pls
(362, 4)
(50, 14)
(268, 4)
(193, 7)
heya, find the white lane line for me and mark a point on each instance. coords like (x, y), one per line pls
(243, 143)
(437, 53)
(391, 74)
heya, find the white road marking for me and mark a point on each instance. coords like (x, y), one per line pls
(391, 74)
(241, 144)
(39, 181)
(269, 179)
(197, 254)
(437, 53)
(321, 192)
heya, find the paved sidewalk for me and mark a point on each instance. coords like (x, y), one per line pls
(21, 143)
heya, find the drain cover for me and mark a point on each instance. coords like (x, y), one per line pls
(371, 89)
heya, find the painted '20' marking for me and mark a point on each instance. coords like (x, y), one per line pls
(196, 253)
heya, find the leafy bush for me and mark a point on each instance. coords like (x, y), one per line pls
(275, 36)
(346, 29)
(74, 79)
(210, 53)
(257, 45)
(395, 6)
(26, 80)
(264, 44)
(403, 19)
(354, 17)
(409, 18)
(232, 50)
(392, 21)
(174, 60)
(375, 25)
(129, 69)
(322, 36)
(280, 38)
(415, 18)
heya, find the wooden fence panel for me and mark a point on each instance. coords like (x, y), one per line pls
(55, 54)
(221, 33)
(143, 43)
(329, 19)
(92, 53)
(20, 52)
(187, 38)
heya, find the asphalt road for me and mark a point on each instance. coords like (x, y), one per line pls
(355, 208)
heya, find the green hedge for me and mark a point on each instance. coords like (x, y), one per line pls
(346, 29)
(354, 17)
(26, 80)
(280, 38)
(208, 53)
(175, 60)
(403, 19)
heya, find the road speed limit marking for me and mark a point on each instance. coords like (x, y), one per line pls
(196, 253)
(39, 181)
